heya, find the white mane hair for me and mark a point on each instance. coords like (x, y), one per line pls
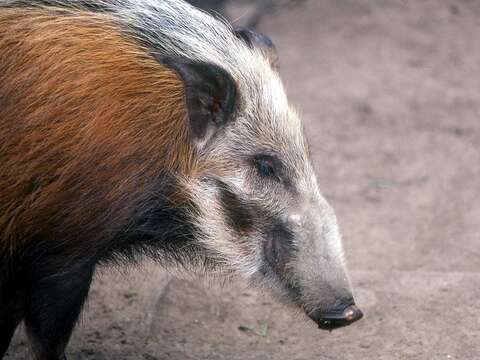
(173, 28)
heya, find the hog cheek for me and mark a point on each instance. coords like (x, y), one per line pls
(278, 248)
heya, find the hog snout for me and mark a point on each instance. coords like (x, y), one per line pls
(339, 316)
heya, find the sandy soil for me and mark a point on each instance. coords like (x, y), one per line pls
(389, 92)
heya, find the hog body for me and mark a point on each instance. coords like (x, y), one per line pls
(149, 128)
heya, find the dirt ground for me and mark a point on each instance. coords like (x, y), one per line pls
(389, 93)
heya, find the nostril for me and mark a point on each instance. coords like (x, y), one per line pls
(336, 319)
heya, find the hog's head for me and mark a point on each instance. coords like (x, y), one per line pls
(258, 205)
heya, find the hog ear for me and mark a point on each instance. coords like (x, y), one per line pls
(210, 94)
(259, 41)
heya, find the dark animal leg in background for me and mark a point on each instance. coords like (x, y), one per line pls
(11, 305)
(8, 324)
(55, 304)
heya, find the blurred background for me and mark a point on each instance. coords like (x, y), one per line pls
(389, 92)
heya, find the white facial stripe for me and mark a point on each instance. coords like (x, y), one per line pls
(218, 236)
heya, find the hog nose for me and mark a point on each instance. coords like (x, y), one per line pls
(336, 318)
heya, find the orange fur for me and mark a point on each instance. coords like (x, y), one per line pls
(87, 120)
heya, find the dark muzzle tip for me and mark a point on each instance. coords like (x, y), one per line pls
(330, 321)
(352, 313)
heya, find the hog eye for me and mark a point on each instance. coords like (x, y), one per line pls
(265, 166)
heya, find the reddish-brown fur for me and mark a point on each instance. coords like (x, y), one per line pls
(87, 121)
